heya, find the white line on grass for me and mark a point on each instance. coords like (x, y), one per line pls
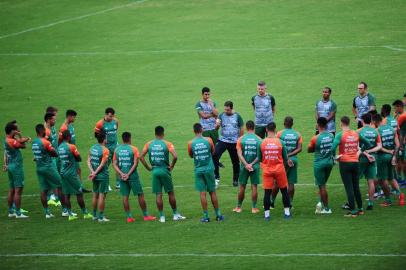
(200, 255)
(71, 19)
(212, 50)
(192, 186)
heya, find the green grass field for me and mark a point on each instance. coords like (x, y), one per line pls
(149, 60)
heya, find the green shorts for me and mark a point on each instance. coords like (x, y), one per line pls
(291, 172)
(204, 181)
(133, 185)
(161, 177)
(111, 153)
(260, 131)
(49, 178)
(100, 186)
(213, 134)
(322, 173)
(15, 177)
(71, 185)
(245, 174)
(385, 168)
(368, 170)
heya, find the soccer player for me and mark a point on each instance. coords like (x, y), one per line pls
(363, 103)
(68, 125)
(264, 107)
(158, 151)
(293, 142)
(207, 112)
(321, 145)
(13, 165)
(109, 124)
(71, 184)
(97, 162)
(248, 147)
(125, 162)
(368, 167)
(50, 131)
(48, 176)
(401, 164)
(201, 149)
(386, 157)
(327, 108)
(273, 157)
(348, 142)
(231, 129)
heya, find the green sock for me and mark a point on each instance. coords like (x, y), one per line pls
(174, 211)
(161, 213)
(18, 211)
(370, 203)
(46, 209)
(129, 215)
(254, 204)
(239, 203)
(11, 210)
(84, 211)
(217, 211)
(206, 214)
(69, 211)
(145, 212)
(95, 212)
(101, 215)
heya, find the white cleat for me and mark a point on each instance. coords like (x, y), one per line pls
(10, 215)
(49, 216)
(178, 217)
(65, 214)
(318, 208)
(326, 212)
(162, 219)
(104, 219)
(22, 216)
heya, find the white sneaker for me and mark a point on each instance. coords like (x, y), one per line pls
(65, 214)
(11, 215)
(318, 208)
(21, 216)
(162, 219)
(104, 219)
(178, 217)
(73, 214)
(110, 188)
(94, 218)
(49, 215)
(326, 212)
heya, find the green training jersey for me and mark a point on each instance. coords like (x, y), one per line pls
(41, 149)
(373, 138)
(13, 153)
(99, 153)
(387, 134)
(291, 139)
(67, 153)
(126, 155)
(158, 153)
(110, 128)
(322, 145)
(200, 148)
(250, 147)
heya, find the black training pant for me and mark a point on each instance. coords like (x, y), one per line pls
(219, 149)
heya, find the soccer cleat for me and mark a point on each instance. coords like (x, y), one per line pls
(386, 204)
(52, 202)
(345, 206)
(162, 219)
(205, 219)
(318, 208)
(237, 210)
(70, 218)
(255, 210)
(22, 216)
(23, 211)
(49, 215)
(149, 218)
(87, 216)
(130, 220)
(220, 218)
(402, 199)
(10, 215)
(370, 207)
(350, 214)
(235, 183)
(178, 217)
(361, 212)
(287, 216)
(104, 219)
(94, 218)
(65, 214)
(326, 211)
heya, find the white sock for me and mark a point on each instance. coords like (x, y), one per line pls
(287, 211)
(267, 213)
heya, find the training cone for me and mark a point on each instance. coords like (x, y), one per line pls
(402, 199)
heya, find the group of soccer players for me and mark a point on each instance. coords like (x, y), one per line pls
(371, 151)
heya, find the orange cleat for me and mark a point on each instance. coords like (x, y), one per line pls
(130, 220)
(149, 218)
